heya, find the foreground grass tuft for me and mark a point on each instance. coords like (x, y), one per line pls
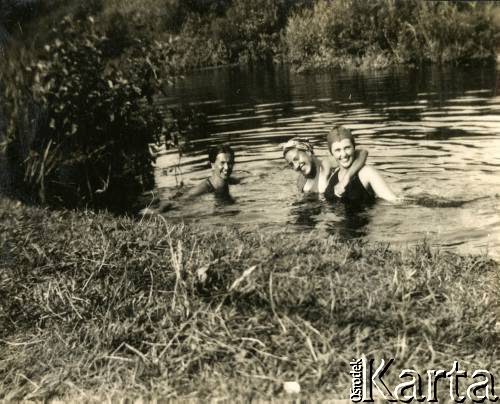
(93, 307)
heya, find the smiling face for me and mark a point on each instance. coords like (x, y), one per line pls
(223, 166)
(343, 152)
(300, 160)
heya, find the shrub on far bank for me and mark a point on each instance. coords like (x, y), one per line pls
(357, 33)
(308, 34)
(246, 32)
(457, 32)
(252, 29)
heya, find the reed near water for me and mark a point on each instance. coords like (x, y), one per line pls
(96, 307)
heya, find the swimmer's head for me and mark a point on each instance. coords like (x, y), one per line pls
(215, 150)
(298, 153)
(341, 145)
(337, 134)
(222, 160)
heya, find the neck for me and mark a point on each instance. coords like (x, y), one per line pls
(217, 181)
(342, 172)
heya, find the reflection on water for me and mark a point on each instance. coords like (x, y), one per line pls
(353, 221)
(433, 133)
(305, 210)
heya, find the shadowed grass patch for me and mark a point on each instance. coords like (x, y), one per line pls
(94, 306)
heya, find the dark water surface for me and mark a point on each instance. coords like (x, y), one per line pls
(433, 133)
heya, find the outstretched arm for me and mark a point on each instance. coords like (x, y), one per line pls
(199, 189)
(378, 184)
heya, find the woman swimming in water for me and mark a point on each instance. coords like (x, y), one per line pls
(365, 184)
(222, 161)
(315, 172)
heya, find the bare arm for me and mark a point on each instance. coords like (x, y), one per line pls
(371, 176)
(358, 163)
(301, 181)
(199, 189)
(326, 170)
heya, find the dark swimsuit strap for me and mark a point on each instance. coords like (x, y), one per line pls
(355, 190)
(210, 186)
(334, 171)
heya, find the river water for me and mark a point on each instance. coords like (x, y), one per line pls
(433, 133)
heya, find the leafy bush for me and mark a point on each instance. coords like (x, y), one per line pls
(252, 29)
(360, 33)
(96, 120)
(304, 37)
(451, 34)
(197, 46)
(236, 32)
(309, 34)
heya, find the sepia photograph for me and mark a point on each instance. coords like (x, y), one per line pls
(249, 201)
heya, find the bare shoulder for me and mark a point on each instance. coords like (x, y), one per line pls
(199, 189)
(367, 171)
(369, 176)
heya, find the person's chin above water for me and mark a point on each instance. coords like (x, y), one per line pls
(223, 166)
(221, 160)
(306, 169)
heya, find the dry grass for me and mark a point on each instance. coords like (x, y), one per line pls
(153, 8)
(95, 307)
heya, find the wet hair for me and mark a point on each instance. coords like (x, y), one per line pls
(338, 133)
(214, 151)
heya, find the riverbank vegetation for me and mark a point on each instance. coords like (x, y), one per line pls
(306, 34)
(79, 122)
(98, 307)
(349, 33)
(74, 119)
(81, 117)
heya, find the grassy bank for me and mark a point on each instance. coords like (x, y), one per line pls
(94, 306)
